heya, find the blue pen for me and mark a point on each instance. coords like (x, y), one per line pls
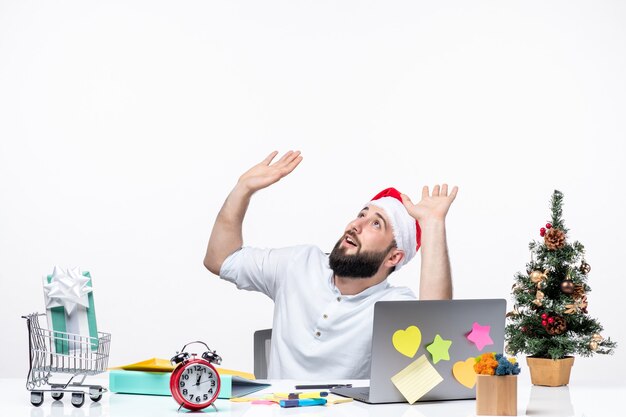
(305, 402)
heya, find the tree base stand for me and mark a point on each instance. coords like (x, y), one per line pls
(550, 372)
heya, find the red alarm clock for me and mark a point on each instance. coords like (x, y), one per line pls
(195, 383)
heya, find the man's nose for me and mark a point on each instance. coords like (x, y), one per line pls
(356, 225)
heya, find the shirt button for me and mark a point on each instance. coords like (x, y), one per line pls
(338, 298)
(325, 316)
(318, 334)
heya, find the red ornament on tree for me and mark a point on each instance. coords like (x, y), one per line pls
(544, 316)
(550, 320)
(548, 225)
(542, 231)
(544, 323)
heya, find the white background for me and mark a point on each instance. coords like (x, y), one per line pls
(124, 125)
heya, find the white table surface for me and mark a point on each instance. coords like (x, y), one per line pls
(574, 400)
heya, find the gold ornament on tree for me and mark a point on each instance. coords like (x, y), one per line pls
(595, 340)
(577, 306)
(539, 278)
(554, 239)
(538, 298)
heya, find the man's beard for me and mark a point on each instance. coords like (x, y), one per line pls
(360, 265)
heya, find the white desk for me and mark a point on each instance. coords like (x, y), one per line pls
(536, 401)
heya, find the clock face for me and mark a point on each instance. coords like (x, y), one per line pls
(198, 384)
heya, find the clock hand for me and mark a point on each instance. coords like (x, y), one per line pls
(198, 380)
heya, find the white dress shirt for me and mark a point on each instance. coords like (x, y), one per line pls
(318, 333)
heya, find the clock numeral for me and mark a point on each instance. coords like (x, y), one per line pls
(212, 382)
(198, 368)
(185, 377)
(198, 399)
(182, 384)
(185, 391)
(189, 371)
(210, 391)
(191, 397)
(210, 374)
(205, 397)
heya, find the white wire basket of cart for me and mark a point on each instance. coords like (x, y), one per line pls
(53, 352)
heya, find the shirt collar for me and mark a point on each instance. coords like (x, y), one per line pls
(381, 286)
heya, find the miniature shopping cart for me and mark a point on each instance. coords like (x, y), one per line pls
(53, 352)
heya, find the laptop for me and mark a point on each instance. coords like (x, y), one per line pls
(453, 320)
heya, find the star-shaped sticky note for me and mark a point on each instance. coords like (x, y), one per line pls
(480, 336)
(439, 349)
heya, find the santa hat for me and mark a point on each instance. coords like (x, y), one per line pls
(406, 230)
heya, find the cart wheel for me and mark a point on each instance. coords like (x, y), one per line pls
(36, 398)
(78, 399)
(95, 393)
(57, 395)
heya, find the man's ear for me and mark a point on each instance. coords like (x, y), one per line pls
(394, 258)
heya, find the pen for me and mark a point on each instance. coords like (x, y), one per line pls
(324, 386)
(314, 394)
(297, 395)
(302, 403)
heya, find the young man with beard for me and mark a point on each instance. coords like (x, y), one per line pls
(324, 304)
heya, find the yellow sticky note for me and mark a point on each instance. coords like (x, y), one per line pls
(407, 341)
(250, 399)
(336, 399)
(416, 379)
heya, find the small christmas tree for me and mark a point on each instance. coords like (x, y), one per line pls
(550, 318)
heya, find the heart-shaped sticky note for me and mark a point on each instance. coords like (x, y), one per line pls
(464, 372)
(407, 341)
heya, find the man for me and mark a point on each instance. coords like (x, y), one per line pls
(324, 304)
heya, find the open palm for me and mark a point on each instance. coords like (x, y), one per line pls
(267, 173)
(432, 206)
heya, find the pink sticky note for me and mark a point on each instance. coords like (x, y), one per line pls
(480, 336)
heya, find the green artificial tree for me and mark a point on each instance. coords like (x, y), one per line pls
(550, 318)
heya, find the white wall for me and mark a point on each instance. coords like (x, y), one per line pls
(124, 125)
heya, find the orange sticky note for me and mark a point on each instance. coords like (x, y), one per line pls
(464, 372)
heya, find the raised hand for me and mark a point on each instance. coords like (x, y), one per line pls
(267, 173)
(227, 236)
(433, 206)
